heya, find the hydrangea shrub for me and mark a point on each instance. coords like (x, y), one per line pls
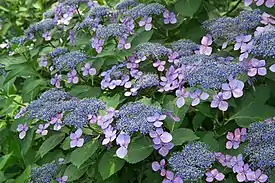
(141, 92)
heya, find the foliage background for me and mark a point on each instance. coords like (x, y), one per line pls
(24, 81)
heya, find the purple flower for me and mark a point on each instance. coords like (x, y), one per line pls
(214, 174)
(42, 129)
(92, 118)
(206, 42)
(21, 113)
(110, 135)
(181, 93)
(270, 3)
(47, 36)
(57, 121)
(87, 70)
(62, 179)
(257, 67)
(76, 141)
(236, 138)
(267, 19)
(129, 22)
(22, 128)
(234, 87)
(272, 68)
(171, 178)
(257, 176)
(245, 51)
(159, 136)
(218, 101)
(43, 61)
(197, 96)
(159, 166)
(72, 77)
(147, 22)
(241, 176)
(237, 163)
(169, 17)
(173, 57)
(122, 44)
(156, 119)
(241, 42)
(224, 160)
(123, 140)
(97, 44)
(56, 80)
(160, 65)
(164, 148)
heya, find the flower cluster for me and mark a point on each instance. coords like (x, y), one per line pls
(44, 174)
(54, 102)
(132, 117)
(154, 50)
(42, 27)
(143, 10)
(192, 162)
(261, 136)
(184, 47)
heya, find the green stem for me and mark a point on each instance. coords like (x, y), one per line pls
(233, 8)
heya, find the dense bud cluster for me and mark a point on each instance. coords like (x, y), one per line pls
(44, 174)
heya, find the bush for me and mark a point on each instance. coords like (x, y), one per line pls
(122, 91)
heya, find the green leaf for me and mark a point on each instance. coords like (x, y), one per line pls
(31, 89)
(197, 121)
(24, 176)
(10, 60)
(2, 177)
(3, 160)
(112, 101)
(74, 173)
(141, 36)
(253, 107)
(183, 135)
(66, 144)
(109, 165)
(209, 139)
(19, 70)
(84, 91)
(139, 149)
(80, 155)
(50, 143)
(27, 141)
(188, 7)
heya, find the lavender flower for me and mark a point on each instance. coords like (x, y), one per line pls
(56, 121)
(235, 138)
(22, 128)
(234, 87)
(181, 93)
(123, 44)
(214, 174)
(62, 179)
(257, 176)
(171, 178)
(192, 162)
(169, 17)
(257, 67)
(56, 80)
(110, 135)
(43, 61)
(156, 119)
(147, 22)
(76, 141)
(72, 77)
(241, 42)
(123, 140)
(242, 174)
(47, 36)
(268, 3)
(97, 44)
(267, 19)
(272, 68)
(159, 166)
(219, 102)
(206, 42)
(160, 65)
(87, 70)
(198, 95)
(164, 148)
(42, 129)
